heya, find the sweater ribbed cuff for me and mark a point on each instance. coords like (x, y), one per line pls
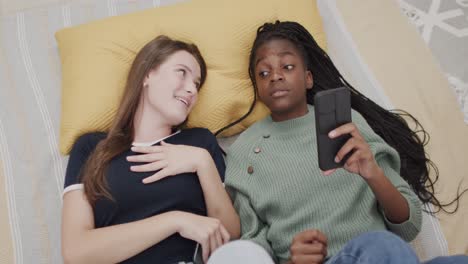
(409, 229)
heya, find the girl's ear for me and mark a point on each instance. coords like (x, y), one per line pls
(145, 80)
(309, 80)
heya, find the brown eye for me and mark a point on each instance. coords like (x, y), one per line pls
(263, 74)
(181, 72)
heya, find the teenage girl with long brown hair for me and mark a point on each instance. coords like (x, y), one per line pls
(112, 211)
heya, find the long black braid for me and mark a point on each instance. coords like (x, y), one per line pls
(390, 125)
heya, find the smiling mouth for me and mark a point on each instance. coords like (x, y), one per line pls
(279, 93)
(184, 101)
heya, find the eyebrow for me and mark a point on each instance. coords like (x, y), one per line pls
(281, 54)
(198, 79)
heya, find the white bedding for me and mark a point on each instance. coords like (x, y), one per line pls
(31, 168)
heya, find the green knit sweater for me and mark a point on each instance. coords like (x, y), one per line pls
(278, 189)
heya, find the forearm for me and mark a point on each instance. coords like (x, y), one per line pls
(116, 243)
(395, 206)
(218, 203)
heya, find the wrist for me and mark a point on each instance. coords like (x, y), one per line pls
(375, 175)
(175, 219)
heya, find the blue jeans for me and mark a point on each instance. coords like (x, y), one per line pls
(458, 259)
(384, 247)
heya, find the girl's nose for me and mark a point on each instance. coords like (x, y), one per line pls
(277, 76)
(191, 87)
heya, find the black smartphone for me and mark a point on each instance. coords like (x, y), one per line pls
(197, 255)
(332, 109)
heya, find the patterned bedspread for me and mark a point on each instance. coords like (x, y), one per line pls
(444, 27)
(32, 169)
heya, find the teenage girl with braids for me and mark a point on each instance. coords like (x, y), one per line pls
(361, 213)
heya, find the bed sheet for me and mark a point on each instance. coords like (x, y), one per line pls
(31, 168)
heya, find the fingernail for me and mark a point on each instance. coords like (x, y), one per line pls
(332, 134)
(337, 159)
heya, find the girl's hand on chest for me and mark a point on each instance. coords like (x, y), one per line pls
(167, 160)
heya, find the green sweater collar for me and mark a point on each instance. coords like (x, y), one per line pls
(298, 125)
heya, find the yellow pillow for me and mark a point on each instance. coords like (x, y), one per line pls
(97, 56)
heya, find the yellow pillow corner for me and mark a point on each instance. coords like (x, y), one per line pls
(96, 57)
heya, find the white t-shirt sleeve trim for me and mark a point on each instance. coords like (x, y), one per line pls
(78, 186)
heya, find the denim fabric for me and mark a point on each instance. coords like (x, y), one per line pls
(384, 247)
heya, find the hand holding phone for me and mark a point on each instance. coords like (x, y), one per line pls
(332, 109)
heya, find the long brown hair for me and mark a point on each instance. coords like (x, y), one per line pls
(121, 132)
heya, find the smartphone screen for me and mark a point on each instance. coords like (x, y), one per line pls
(332, 109)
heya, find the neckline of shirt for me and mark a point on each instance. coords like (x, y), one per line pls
(295, 125)
(151, 143)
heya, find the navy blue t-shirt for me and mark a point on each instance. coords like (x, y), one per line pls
(135, 200)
